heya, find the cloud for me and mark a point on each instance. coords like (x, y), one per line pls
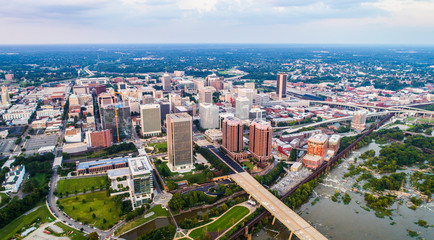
(215, 20)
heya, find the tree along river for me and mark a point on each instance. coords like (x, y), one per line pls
(338, 221)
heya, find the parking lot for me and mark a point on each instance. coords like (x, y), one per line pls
(35, 142)
(37, 132)
(6, 145)
(14, 131)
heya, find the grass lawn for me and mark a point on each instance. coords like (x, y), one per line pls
(102, 206)
(224, 222)
(76, 235)
(249, 165)
(410, 119)
(166, 172)
(40, 215)
(425, 120)
(159, 147)
(81, 184)
(158, 212)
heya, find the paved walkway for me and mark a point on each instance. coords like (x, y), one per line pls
(244, 204)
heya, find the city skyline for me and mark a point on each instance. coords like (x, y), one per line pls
(186, 21)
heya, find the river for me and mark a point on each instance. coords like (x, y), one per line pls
(338, 221)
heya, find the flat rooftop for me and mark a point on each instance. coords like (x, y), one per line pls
(139, 165)
(319, 138)
(114, 173)
(85, 165)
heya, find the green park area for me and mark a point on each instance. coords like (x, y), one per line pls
(95, 209)
(39, 216)
(77, 185)
(157, 211)
(226, 221)
(249, 165)
(158, 147)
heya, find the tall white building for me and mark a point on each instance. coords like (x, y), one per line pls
(209, 115)
(248, 93)
(242, 108)
(150, 119)
(359, 120)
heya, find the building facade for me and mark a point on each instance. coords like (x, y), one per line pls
(281, 85)
(5, 100)
(150, 119)
(209, 115)
(316, 151)
(359, 120)
(179, 141)
(260, 139)
(102, 138)
(242, 108)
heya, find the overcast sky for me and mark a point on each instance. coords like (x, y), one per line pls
(217, 21)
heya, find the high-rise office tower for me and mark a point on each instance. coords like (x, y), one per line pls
(151, 119)
(167, 82)
(5, 100)
(209, 115)
(359, 120)
(281, 85)
(316, 151)
(206, 94)
(260, 138)
(179, 141)
(124, 124)
(242, 108)
(232, 134)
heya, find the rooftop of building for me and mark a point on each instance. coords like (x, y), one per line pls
(139, 165)
(334, 138)
(119, 172)
(309, 157)
(179, 117)
(97, 163)
(318, 138)
(72, 132)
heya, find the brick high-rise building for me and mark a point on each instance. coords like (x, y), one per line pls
(102, 138)
(179, 141)
(260, 138)
(316, 151)
(281, 85)
(359, 120)
(232, 129)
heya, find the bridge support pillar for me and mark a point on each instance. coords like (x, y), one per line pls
(249, 237)
(274, 220)
(290, 236)
(246, 231)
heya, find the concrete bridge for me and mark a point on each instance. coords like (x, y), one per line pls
(297, 225)
(277, 208)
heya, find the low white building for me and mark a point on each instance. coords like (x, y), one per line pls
(14, 178)
(214, 134)
(73, 135)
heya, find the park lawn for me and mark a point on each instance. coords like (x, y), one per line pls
(425, 120)
(224, 222)
(40, 215)
(81, 184)
(410, 119)
(102, 206)
(249, 165)
(41, 178)
(159, 147)
(158, 212)
(76, 235)
(166, 172)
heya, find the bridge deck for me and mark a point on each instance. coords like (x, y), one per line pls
(283, 213)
